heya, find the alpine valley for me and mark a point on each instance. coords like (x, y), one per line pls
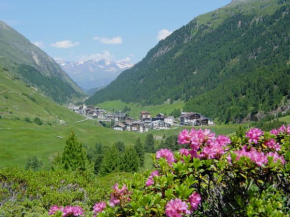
(199, 127)
(230, 64)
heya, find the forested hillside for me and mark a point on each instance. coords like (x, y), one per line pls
(26, 61)
(224, 64)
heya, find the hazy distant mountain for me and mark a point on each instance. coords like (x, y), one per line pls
(94, 73)
(94, 90)
(32, 65)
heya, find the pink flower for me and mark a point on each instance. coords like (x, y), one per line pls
(274, 132)
(276, 157)
(212, 150)
(272, 144)
(184, 152)
(184, 137)
(223, 140)
(99, 207)
(254, 135)
(194, 201)
(258, 157)
(282, 129)
(176, 208)
(114, 201)
(72, 211)
(288, 129)
(167, 154)
(150, 180)
(194, 154)
(54, 209)
(119, 195)
(207, 134)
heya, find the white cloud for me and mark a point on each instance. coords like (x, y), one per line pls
(105, 55)
(127, 59)
(39, 44)
(115, 40)
(58, 58)
(65, 44)
(162, 34)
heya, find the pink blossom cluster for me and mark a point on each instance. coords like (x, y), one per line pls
(67, 211)
(272, 144)
(203, 144)
(54, 209)
(119, 196)
(194, 201)
(167, 154)
(176, 208)
(179, 208)
(260, 158)
(282, 129)
(254, 135)
(150, 180)
(99, 207)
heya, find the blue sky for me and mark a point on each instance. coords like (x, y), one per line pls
(113, 29)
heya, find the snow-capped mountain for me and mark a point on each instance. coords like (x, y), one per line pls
(94, 73)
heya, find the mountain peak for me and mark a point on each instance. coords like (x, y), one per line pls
(95, 72)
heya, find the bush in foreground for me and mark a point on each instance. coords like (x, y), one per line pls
(212, 176)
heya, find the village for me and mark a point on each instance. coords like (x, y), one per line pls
(122, 122)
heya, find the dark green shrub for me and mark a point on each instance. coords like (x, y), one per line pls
(37, 121)
(27, 119)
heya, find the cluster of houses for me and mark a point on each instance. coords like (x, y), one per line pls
(121, 121)
(144, 123)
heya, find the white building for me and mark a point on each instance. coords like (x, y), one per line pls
(169, 120)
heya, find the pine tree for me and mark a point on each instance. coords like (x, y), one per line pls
(161, 146)
(120, 146)
(98, 162)
(130, 160)
(111, 161)
(139, 148)
(149, 143)
(74, 156)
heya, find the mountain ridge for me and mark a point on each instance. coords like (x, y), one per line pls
(93, 73)
(208, 52)
(20, 56)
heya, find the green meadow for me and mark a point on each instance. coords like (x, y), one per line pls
(135, 109)
(21, 139)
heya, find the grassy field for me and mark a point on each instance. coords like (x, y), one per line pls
(285, 119)
(21, 140)
(135, 109)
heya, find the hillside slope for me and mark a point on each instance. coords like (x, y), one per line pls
(19, 101)
(31, 64)
(224, 64)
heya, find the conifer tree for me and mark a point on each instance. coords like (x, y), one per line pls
(139, 148)
(130, 160)
(111, 161)
(74, 156)
(161, 146)
(149, 143)
(120, 146)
